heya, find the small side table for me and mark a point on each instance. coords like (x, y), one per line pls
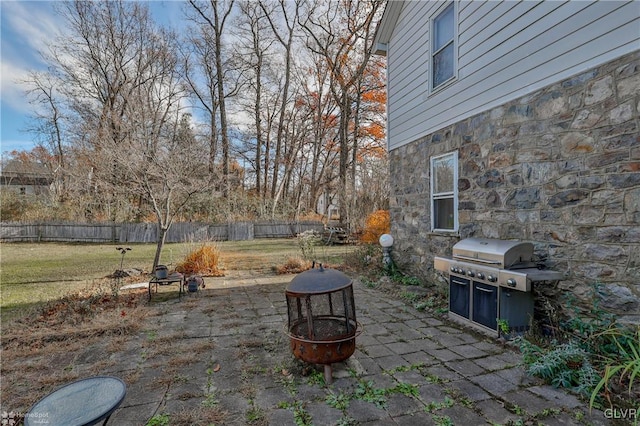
(82, 403)
(175, 277)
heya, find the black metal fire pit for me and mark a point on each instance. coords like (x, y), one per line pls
(322, 317)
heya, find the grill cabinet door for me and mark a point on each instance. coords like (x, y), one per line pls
(459, 296)
(485, 305)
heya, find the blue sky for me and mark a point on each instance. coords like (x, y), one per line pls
(26, 27)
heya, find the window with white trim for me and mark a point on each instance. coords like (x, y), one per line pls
(443, 47)
(444, 192)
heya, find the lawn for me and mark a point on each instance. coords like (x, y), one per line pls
(32, 273)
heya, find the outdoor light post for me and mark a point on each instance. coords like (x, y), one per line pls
(386, 241)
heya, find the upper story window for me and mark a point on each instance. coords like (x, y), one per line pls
(444, 192)
(443, 58)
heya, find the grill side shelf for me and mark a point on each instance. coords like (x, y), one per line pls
(536, 274)
(441, 264)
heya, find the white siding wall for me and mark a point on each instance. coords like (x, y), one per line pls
(505, 50)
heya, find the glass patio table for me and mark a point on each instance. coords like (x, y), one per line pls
(84, 402)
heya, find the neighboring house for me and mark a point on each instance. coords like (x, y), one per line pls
(525, 115)
(25, 178)
(327, 205)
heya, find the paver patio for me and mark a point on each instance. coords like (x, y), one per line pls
(223, 353)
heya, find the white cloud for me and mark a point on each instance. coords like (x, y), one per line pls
(27, 27)
(13, 92)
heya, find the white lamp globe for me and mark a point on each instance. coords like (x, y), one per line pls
(386, 240)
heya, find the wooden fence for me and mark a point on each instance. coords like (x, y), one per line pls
(148, 233)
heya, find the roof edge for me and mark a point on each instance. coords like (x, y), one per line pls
(386, 26)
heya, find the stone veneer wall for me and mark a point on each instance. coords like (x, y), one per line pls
(559, 167)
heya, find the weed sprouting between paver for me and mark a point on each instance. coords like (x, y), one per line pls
(442, 421)
(339, 401)
(405, 389)
(300, 415)
(366, 391)
(210, 396)
(159, 420)
(255, 415)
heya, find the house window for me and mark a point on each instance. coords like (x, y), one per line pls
(443, 49)
(444, 192)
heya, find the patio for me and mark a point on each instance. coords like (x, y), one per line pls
(221, 356)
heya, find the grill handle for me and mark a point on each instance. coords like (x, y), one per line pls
(473, 259)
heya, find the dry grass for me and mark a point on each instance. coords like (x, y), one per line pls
(203, 260)
(183, 359)
(292, 265)
(200, 348)
(200, 416)
(296, 265)
(39, 350)
(32, 273)
(74, 318)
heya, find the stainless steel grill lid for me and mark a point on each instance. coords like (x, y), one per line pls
(498, 253)
(505, 263)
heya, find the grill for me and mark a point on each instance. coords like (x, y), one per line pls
(490, 284)
(322, 324)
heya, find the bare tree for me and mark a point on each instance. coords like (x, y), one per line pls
(322, 147)
(252, 53)
(120, 80)
(211, 16)
(290, 20)
(105, 56)
(161, 158)
(341, 34)
(49, 123)
(167, 170)
(200, 74)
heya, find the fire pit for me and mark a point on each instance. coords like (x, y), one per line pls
(322, 317)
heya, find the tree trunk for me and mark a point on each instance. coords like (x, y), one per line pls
(162, 234)
(223, 117)
(213, 143)
(258, 121)
(344, 157)
(286, 44)
(354, 154)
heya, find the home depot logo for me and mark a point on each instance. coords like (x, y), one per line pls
(13, 418)
(10, 419)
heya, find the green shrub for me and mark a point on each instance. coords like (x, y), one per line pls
(566, 366)
(587, 350)
(307, 241)
(626, 365)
